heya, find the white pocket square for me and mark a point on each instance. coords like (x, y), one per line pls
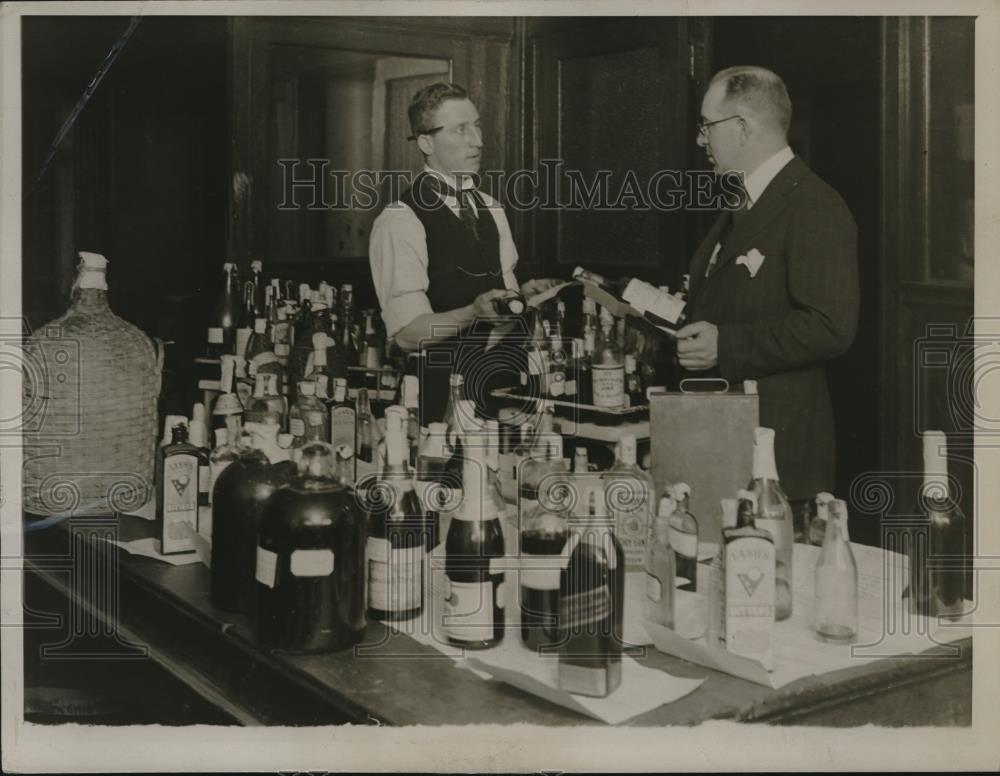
(751, 261)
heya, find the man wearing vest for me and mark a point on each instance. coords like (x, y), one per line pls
(444, 252)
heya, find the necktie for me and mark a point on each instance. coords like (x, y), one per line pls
(464, 199)
(733, 218)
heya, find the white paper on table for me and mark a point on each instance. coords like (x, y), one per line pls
(642, 689)
(202, 545)
(799, 653)
(147, 549)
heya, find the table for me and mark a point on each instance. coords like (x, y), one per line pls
(400, 682)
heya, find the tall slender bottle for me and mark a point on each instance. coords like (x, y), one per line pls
(715, 632)
(177, 492)
(398, 532)
(835, 610)
(225, 315)
(198, 436)
(684, 536)
(474, 605)
(343, 415)
(937, 554)
(257, 282)
(592, 603)
(660, 567)
(630, 493)
(411, 400)
(320, 375)
(774, 514)
(607, 366)
(750, 585)
(365, 438)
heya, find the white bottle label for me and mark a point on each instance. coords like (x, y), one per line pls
(312, 563)
(608, 385)
(395, 576)
(684, 542)
(296, 427)
(180, 502)
(215, 335)
(541, 572)
(469, 611)
(314, 419)
(342, 421)
(750, 572)
(267, 566)
(654, 588)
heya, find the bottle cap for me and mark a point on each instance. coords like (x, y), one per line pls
(256, 265)
(823, 498)
(91, 272)
(168, 426)
(747, 495)
(681, 491)
(578, 271)
(285, 441)
(667, 506)
(729, 506)
(346, 287)
(229, 266)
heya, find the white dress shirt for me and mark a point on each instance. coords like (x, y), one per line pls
(397, 252)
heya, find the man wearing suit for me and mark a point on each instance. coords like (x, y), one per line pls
(774, 286)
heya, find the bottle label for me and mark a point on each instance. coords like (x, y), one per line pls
(608, 385)
(395, 576)
(267, 566)
(654, 588)
(342, 421)
(180, 502)
(281, 349)
(684, 543)
(647, 298)
(589, 606)
(468, 612)
(215, 335)
(749, 575)
(296, 427)
(541, 572)
(312, 563)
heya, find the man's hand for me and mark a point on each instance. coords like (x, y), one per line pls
(530, 288)
(698, 346)
(482, 305)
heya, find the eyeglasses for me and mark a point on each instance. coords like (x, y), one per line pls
(461, 130)
(704, 125)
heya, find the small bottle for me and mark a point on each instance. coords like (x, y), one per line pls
(817, 526)
(198, 436)
(558, 366)
(411, 401)
(544, 459)
(365, 437)
(715, 632)
(343, 415)
(474, 605)
(630, 493)
(224, 318)
(684, 536)
(320, 375)
(398, 532)
(177, 492)
(835, 611)
(774, 514)
(634, 395)
(258, 342)
(750, 585)
(591, 603)
(660, 567)
(345, 471)
(937, 548)
(607, 366)
(308, 420)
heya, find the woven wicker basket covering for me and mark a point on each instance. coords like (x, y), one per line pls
(91, 382)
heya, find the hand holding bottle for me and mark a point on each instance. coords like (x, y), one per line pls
(482, 305)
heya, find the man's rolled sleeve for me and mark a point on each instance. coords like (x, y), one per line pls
(397, 254)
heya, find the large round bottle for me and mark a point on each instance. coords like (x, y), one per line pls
(311, 561)
(238, 499)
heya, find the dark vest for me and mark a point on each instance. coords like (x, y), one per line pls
(461, 265)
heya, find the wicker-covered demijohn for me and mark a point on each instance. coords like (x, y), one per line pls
(91, 382)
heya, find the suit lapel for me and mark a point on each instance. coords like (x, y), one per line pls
(770, 205)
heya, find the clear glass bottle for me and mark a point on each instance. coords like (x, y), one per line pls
(398, 532)
(835, 610)
(715, 632)
(308, 420)
(661, 569)
(319, 375)
(684, 536)
(630, 493)
(411, 400)
(365, 436)
(608, 366)
(343, 415)
(937, 548)
(774, 514)
(544, 458)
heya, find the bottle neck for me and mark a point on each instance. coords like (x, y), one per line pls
(764, 466)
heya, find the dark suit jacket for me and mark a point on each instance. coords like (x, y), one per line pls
(780, 327)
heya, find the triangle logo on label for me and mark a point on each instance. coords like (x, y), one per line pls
(751, 580)
(180, 484)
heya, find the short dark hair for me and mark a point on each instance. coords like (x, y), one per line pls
(760, 89)
(427, 101)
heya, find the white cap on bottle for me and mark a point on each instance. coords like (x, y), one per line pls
(256, 265)
(168, 426)
(305, 291)
(747, 495)
(627, 449)
(221, 437)
(681, 491)
(92, 271)
(729, 506)
(229, 266)
(411, 391)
